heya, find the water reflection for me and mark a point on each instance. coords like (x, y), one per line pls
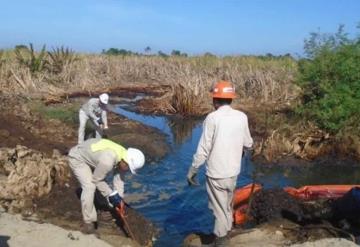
(312, 174)
(177, 128)
(181, 129)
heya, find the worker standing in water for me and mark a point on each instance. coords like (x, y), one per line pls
(95, 110)
(224, 136)
(92, 161)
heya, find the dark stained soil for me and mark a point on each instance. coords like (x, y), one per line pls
(272, 204)
(13, 133)
(21, 126)
(300, 221)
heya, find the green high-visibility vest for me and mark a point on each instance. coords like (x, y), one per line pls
(104, 144)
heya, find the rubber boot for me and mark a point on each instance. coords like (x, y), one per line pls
(222, 241)
(105, 216)
(88, 228)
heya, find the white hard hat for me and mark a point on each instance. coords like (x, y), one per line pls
(135, 159)
(104, 98)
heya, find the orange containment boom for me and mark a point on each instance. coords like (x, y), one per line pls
(240, 202)
(313, 192)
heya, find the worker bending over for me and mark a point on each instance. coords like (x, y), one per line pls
(92, 161)
(95, 110)
(225, 134)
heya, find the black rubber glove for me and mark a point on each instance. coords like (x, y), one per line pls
(100, 122)
(115, 199)
(191, 176)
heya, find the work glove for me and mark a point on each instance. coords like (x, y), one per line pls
(99, 121)
(191, 176)
(115, 199)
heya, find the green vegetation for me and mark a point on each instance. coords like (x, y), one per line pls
(147, 50)
(330, 79)
(162, 54)
(54, 62)
(178, 53)
(119, 52)
(30, 59)
(60, 58)
(67, 113)
(1, 57)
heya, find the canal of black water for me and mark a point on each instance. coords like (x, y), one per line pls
(178, 209)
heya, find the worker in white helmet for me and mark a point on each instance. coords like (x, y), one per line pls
(91, 162)
(225, 134)
(95, 110)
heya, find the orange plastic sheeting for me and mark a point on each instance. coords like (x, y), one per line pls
(241, 195)
(240, 216)
(313, 192)
(240, 200)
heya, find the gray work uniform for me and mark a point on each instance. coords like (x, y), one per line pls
(93, 111)
(225, 133)
(90, 169)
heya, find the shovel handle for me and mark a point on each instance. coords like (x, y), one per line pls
(121, 213)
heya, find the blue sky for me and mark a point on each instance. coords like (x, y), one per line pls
(223, 27)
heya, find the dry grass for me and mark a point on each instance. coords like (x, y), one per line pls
(255, 78)
(303, 140)
(262, 84)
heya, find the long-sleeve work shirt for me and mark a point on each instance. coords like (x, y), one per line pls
(93, 109)
(225, 133)
(102, 163)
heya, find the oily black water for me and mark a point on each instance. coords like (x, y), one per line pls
(178, 209)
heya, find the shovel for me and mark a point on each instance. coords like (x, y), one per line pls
(135, 225)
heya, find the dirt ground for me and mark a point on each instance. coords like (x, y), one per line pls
(268, 235)
(21, 125)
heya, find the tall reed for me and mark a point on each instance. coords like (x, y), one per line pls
(256, 79)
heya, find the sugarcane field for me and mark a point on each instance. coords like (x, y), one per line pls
(247, 134)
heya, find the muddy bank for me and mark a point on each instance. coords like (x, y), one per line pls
(275, 218)
(27, 122)
(41, 189)
(268, 235)
(35, 179)
(22, 126)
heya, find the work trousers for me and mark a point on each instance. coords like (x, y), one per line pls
(83, 174)
(83, 118)
(220, 193)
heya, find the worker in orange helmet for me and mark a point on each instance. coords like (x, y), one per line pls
(224, 136)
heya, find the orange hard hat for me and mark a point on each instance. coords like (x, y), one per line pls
(223, 90)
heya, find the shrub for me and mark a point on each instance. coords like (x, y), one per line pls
(60, 58)
(28, 57)
(330, 79)
(1, 57)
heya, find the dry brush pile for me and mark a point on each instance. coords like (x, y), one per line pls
(26, 174)
(303, 140)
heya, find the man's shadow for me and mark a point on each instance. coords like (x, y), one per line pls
(3, 241)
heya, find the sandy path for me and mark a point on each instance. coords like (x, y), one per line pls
(15, 232)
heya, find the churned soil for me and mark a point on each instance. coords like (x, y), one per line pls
(21, 125)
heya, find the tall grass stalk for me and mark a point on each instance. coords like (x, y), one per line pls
(256, 80)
